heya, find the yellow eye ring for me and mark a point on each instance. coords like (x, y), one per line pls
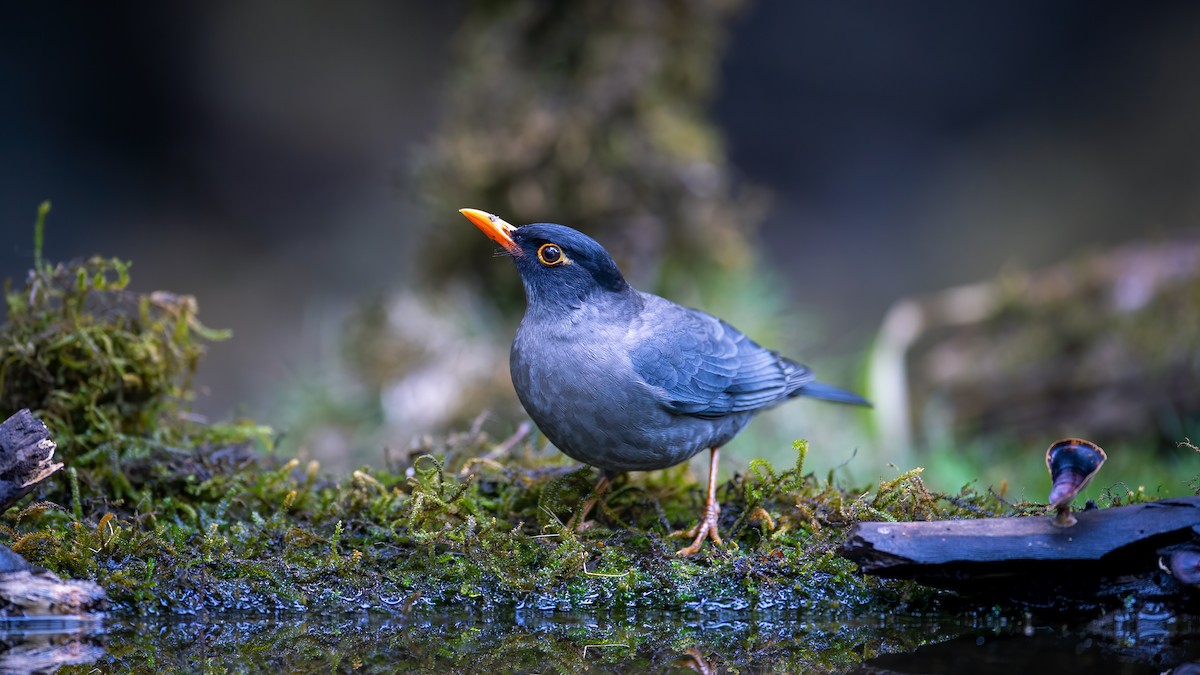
(551, 255)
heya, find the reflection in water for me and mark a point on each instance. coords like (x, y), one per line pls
(1148, 640)
(1144, 641)
(39, 645)
(1044, 652)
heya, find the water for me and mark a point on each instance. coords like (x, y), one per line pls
(1147, 640)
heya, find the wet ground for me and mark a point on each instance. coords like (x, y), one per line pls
(1146, 640)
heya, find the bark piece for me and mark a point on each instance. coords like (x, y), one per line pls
(26, 456)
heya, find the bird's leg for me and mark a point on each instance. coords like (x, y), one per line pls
(707, 527)
(577, 521)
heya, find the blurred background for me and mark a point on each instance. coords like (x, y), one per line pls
(954, 173)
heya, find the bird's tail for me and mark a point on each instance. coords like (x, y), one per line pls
(828, 392)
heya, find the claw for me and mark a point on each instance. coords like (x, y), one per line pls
(707, 527)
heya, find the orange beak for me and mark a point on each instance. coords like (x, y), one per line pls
(494, 227)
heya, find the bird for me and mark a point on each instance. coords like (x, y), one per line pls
(625, 380)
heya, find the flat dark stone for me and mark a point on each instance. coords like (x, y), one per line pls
(1108, 553)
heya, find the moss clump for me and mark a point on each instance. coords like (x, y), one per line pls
(109, 371)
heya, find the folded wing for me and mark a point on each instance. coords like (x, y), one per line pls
(699, 365)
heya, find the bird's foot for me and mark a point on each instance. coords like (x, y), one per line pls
(705, 529)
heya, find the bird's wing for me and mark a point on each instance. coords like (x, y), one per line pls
(699, 365)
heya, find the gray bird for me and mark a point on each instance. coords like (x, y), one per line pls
(628, 381)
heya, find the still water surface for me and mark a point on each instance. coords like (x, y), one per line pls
(1135, 641)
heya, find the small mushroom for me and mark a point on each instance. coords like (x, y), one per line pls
(1185, 566)
(1072, 463)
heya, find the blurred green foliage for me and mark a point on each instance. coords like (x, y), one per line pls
(1134, 472)
(592, 114)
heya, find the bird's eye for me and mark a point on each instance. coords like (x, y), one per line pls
(551, 255)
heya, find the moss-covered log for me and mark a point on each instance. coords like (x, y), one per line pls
(1104, 343)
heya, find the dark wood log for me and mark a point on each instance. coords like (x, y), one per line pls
(40, 592)
(26, 456)
(1108, 554)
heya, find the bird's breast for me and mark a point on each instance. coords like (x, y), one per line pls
(582, 391)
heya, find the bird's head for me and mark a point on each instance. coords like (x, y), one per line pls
(561, 267)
